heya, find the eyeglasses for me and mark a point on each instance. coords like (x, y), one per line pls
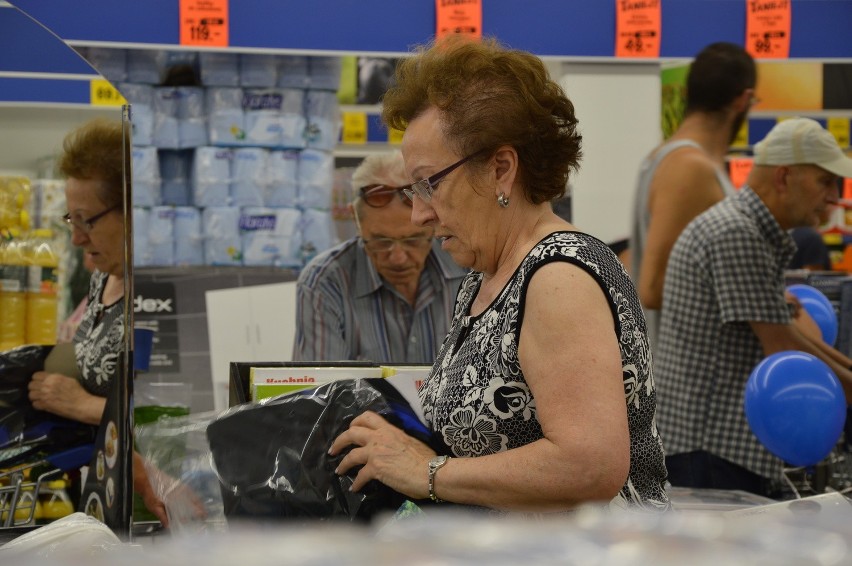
(425, 187)
(384, 245)
(378, 196)
(85, 225)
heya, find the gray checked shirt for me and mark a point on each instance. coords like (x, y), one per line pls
(726, 269)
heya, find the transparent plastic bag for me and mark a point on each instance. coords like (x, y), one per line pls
(179, 466)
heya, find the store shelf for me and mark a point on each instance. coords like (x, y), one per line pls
(559, 28)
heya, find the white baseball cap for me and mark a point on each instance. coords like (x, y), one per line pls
(800, 141)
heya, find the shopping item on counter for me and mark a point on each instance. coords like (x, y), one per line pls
(211, 176)
(272, 457)
(221, 235)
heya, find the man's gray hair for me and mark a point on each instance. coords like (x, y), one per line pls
(379, 166)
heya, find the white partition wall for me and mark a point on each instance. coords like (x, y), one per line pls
(618, 106)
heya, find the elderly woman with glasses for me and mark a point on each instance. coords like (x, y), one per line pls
(386, 295)
(75, 386)
(542, 395)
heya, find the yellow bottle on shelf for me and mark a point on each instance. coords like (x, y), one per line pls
(42, 302)
(13, 288)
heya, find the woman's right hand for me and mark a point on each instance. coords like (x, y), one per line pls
(65, 397)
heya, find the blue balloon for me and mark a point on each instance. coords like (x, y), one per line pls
(795, 406)
(820, 308)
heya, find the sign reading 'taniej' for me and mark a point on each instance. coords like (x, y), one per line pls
(458, 16)
(768, 28)
(204, 23)
(637, 28)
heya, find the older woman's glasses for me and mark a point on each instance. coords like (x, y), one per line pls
(385, 245)
(86, 224)
(425, 187)
(378, 196)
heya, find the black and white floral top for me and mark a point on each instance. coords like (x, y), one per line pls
(99, 340)
(477, 401)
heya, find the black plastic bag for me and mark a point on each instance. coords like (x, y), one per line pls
(23, 429)
(272, 457)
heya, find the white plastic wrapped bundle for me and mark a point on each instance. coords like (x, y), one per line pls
(141, 97)
(146, 176)
(211, 176)
(263, 116)
(221, 235)
(283, 187)
(141, 243)
(219, 68)
(165, 134)
(175, 167)
(48, 202)
(192, 117)
(143, 66)
(226, 123)
(249, 176)
(323, 112)
(293, 71)
(292, 118)
(161, 235)
(318, 233)
(315, 178)
(270, 236)
(189, 249)
(258, 70)
(324, 73)
(109, 62)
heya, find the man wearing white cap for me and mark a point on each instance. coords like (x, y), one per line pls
(724, 310)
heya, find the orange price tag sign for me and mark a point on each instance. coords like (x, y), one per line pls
(768, 28)
(738, 170)
(204, 23)
(637, 28)
(458, 16)
(847, 189)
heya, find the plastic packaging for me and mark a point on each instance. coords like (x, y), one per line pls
(272, 457)
(13, 287)
(42, 303)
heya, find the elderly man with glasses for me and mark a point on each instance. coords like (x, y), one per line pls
(386, 295)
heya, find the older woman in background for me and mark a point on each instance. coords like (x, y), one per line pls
(542, 391)
(92, 163)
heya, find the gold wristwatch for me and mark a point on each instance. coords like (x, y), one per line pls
(434, 464)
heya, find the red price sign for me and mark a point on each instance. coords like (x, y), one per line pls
(204, 23)
(768, 28)
(458, 16)
(637, 28)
